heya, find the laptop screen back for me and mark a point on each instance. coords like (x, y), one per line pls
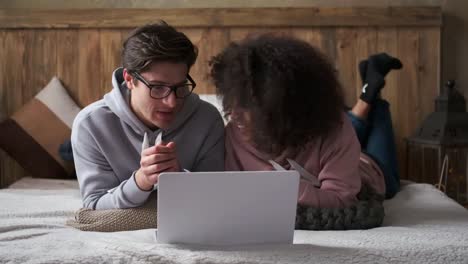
(227, 208)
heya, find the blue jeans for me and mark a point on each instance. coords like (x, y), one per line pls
(377, 140)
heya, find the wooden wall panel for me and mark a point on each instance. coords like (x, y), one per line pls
(345, 62)
(89, 66)
(210, 41)
(408, 100)
(83, 57)
(329, 40)
(222, 17)
(13, 49)
(15, 45)
(110, 45)
(41, 64)
(429, 42)
(311, 35)
(4, 159)
(366, 43)
(239, 33)
(67, 61)
(3, 156)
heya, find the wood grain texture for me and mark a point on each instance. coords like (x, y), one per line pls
(41, 61)
(210, 41)
(4, 159)
(110, 44)
(346, 62)
(366, 43)
(12, 60)
(3, 73)
(221, 17)
(89, 66)
(67, 61)
(424, 166)
(312, 35)
(408, 99)
(83, 56)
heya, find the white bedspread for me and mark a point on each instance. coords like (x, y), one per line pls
(421, 226)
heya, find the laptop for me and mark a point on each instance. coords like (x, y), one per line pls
(227, 208)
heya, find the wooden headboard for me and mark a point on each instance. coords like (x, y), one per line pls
(82, 47)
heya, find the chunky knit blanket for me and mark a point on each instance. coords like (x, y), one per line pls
(367, 213)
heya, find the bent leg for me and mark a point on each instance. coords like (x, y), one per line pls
(381, 145)
(361, 127)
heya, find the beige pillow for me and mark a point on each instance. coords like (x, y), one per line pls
(33, 134)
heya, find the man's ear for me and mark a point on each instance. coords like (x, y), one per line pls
(128, 79)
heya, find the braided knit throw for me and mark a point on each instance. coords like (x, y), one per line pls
(367, 213)
(114, 220)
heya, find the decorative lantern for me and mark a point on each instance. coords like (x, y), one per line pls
(437, 152)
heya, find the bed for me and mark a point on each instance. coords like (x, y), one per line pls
(422, 225)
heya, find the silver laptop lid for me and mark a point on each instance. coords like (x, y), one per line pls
(227, 208)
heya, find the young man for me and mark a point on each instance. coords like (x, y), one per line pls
(151, 94)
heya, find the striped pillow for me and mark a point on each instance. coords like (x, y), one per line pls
(33, 134)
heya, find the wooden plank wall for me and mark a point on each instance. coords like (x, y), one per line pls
(83, 48)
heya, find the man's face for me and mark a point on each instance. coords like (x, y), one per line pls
(157, 113)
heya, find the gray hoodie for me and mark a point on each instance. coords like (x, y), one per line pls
(107, 138)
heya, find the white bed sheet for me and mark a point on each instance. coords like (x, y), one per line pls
(422, 225)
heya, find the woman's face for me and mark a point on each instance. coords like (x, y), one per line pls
(241, 119)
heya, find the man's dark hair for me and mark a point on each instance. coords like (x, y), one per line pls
(289, 87)
(157, 42)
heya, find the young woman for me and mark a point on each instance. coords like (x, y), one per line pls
(285, 102)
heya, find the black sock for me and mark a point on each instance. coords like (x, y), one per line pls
(372, 72)
(371, 89)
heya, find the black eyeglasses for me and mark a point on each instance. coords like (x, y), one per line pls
(159, 91)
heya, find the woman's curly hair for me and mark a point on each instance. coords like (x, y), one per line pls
(290, 89)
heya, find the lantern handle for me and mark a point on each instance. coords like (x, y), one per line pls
(444, 170)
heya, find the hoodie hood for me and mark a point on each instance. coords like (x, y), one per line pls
(117, 101)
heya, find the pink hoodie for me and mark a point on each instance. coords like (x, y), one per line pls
(336, 160)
